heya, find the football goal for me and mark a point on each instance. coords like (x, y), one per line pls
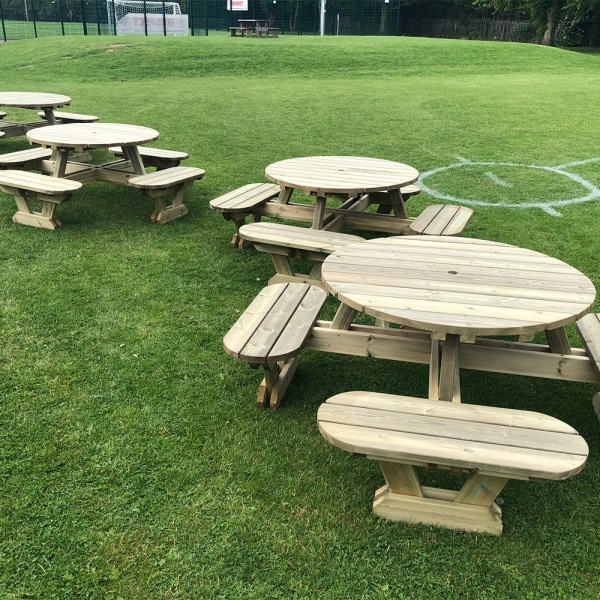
(146, 17)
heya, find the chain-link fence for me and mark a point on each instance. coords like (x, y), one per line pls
(38, 18)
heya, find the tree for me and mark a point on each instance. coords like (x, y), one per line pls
(546, 14)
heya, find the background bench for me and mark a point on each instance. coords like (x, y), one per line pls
(30, 159)
(270, 333)
(166, 182)
(67, 117)
(243, 202)
(155, 157)
(284, 242)
(492, 445)
(26, 187)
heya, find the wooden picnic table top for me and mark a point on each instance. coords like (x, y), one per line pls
(458, 285)
(87, 136)
(92, 135)
(348, 175)
(33, 100)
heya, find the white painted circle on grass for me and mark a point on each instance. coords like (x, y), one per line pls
(490, 171)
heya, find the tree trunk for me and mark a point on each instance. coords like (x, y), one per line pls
(383, 20)
(551, 22)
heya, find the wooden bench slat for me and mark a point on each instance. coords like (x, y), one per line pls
(20, 158)
(36, 182)
(166, 178)
(276, 323)
(492, 415)
(151, 152)
(301, 323)
(273, 327)
(243, 329)
(499, 437)
(67, 117)
(245, 198)
(442, 219)
(492, 459)
(302, 238)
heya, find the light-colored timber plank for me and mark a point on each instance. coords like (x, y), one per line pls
(454, 428)
(495, 356)
(440, 219)
(37, 183)
(491, 415)
(385, 278)
(166, 178)
(498, 460)
(245, 198)
(302, 238)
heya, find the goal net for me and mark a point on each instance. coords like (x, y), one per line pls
(146, 17)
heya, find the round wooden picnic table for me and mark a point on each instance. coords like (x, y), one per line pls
(458, 288)
(35, 101)
(342, 176)
(86, 136)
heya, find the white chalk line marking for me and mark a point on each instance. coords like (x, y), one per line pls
(495, 179)
(547, 207)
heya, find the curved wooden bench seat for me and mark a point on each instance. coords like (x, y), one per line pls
(284, 242)
(243, 202)
(27, 187)
(67, 117)
(173, 181)
(271, 332)
(30, 159)
(155, 157)
(442, 219)
(492, 445)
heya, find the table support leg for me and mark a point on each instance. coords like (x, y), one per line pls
(284, 195)
(449, 370)
(558, 341)
(434, 370)
(397, 204)
(319, 212)
(132, 154)
(61, 156)
(343, 317)
(49, 116)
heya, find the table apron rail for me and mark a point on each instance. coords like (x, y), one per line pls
(352, 219)
(485, 354)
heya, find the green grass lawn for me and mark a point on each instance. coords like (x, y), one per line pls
(133, 461)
